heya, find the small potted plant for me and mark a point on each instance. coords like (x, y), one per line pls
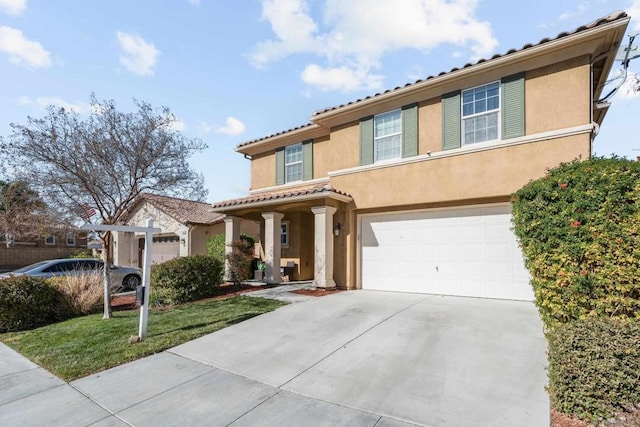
(258, 274)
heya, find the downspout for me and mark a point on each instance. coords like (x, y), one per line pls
(189, 239)
(592, 102)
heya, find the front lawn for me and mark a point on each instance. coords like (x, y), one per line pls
(82, 346)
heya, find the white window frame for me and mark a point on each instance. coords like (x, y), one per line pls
(297, 162)
(71, 239)
(378, 139)
(473, 116)
(284, 232)
(50, 240)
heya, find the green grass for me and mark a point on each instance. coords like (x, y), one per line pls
(85, 345)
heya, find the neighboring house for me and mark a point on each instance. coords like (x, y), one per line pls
(60, 243)
(408, 190)
(186, 226)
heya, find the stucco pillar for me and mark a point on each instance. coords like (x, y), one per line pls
(323, 243)
(231, 234)
(272, 246)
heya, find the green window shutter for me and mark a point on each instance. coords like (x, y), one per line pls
(513, 106)
(410, 130)
(366, 140)
(307, 160)
(451, 125)
(280, 166)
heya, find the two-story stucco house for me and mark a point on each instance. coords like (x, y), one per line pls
(408, 190)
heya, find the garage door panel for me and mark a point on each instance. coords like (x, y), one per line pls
(467, 251)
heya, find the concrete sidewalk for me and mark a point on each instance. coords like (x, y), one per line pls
(353, 358)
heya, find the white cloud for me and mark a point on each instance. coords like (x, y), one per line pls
(44, 102)
(631, 87)
(13, 7)
(581, 8)
(21, 50)
(634, 11)
(177, 125)
(360, 32)
(233, 127)
(340, 78)
(138, 56)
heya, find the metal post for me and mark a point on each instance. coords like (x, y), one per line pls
(146, 280)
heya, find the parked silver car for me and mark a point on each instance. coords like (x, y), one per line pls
(123, 279)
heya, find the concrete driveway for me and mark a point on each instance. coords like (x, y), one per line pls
(359, 358)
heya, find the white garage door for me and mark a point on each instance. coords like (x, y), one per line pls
(466, 251)
(164, 251)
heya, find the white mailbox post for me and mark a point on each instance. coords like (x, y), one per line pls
(146, 266)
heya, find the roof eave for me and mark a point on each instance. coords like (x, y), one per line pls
(285, 138)
(359, 109)
(278, 201)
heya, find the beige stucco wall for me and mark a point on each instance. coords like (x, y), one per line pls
(341, 150)
(557, 96)
(486, 174)
(429, 126)
(263, 170)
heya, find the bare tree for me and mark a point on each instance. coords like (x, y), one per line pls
(103, 161)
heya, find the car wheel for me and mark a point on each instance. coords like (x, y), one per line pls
(131, 282)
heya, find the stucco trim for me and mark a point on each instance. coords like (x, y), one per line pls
(475, 148)
(275, 202)
(292, 185)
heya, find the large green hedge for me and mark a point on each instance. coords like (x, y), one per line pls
(594, 367)
(216, 245)
(29, 302)
(579, 228)
(185, 279)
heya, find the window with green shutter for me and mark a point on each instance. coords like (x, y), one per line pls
(294, 163)
(493, 111)
(390, 135)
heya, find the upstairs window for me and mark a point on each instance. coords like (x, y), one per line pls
(293, 163)
(71, 239)
(387, 136)
(480, 113)
(49, 240)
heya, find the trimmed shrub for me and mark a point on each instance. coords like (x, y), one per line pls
(83, 293)
(185, 279)
(216, 245)
(29, 302)
(240, 261)
(82, 254)
(579, 228)
(594, 367)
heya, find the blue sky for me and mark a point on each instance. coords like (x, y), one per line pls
(235, 70)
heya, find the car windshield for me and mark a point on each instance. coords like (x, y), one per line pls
(30, 267)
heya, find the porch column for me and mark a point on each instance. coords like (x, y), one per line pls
(272, 246)
(323, 242)
(231, 234)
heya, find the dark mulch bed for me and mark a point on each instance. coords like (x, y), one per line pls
(317, 292)
(628, 418)
(558, 419)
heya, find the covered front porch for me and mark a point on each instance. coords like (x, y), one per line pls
(299, 232)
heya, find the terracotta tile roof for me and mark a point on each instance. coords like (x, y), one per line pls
(185, 211)
(316, 189)
(275, 134)
(614, 16)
